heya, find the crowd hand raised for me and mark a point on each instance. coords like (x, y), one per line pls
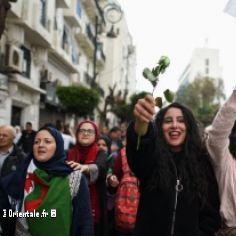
(144, 111)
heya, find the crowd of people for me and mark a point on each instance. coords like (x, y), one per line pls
(186, 183)
(65, 183)
(57, 169)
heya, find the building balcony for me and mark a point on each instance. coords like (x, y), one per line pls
(85, 39)
(27, 84)
(42, 26)
(63, 3)
(91, 8)
(16, 10)
(36, 27)
(72, 17)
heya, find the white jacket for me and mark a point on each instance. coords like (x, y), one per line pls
(223, 162)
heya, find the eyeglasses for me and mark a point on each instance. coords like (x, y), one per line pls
(87, 131)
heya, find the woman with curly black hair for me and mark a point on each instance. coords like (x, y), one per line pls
(179, 194)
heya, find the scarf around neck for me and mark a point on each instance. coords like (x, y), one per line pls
(51, 199)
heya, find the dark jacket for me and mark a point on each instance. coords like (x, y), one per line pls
(12, 160)
(101, 229)
(26, 141)
(156, 206)
(13, 185)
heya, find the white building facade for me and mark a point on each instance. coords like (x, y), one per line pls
(205, 62)
(120, 67)
(49, 43)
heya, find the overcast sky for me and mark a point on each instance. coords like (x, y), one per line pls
(175, 28)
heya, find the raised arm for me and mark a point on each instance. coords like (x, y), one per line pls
(140, 138)
(218, 136)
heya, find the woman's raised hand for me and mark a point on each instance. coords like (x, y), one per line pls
(144, 111)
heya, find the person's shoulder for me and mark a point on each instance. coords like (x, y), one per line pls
(18, 152)
(66, 136)
(23, 133)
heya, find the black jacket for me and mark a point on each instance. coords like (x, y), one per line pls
(155, 213)
(12, 160)
(26, 141)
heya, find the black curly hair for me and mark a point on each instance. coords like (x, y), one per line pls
(191, 160)
(232, 139)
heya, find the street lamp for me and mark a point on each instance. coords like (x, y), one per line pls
(113, 14)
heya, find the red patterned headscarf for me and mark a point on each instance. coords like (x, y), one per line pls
(86, 154)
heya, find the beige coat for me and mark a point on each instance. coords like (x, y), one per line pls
(223, 163)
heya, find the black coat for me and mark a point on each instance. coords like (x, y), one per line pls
(101, 229)
(26, 141)
(12, 160)
(156, 207)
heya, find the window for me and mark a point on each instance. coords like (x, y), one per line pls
(78, 8)
(26, 61)
(65, 39)
(43, 13)
(207, 62)
(16, 115)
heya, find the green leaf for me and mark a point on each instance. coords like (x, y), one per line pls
(162, 69)
(165, 61)
(158, 102)
(155, 71)
(78, 99)
(147, 73)
(169, 96)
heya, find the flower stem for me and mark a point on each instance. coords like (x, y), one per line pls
(138, 142)
(154, 87)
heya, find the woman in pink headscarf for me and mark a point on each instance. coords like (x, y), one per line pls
(86, 157)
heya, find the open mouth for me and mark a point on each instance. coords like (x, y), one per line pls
(174, 134)
(41, 152)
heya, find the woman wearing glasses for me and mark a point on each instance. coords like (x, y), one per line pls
(86, 157)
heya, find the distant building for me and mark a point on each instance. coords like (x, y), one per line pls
(205, 62)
